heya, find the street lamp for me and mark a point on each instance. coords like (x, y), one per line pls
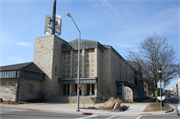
(160, 76)
(78, 60)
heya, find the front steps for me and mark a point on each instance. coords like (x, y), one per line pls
(71, 99)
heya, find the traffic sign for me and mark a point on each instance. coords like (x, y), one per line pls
(160, 82)
(159, 98)
(79, 86)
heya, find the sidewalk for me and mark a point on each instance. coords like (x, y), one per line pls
(134, 109)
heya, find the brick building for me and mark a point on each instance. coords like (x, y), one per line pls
(103, 73)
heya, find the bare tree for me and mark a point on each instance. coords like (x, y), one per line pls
(155, 53)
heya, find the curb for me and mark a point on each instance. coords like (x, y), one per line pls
(170, 107)
(169, 110)
(87, 113)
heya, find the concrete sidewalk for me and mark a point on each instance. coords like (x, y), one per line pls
(134, 109)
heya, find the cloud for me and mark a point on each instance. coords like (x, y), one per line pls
(97, 6)
(105, 5)
(25, 44)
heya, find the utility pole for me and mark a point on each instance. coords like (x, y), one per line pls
(54, 18)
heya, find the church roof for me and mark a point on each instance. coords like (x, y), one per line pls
(29, 66)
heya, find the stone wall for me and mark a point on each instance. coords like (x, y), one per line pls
(47, 56)
(115, 72)
(99, 71)
(29, 89)
(112, 68)
(56, 65)
(8, 89)
(106, 85)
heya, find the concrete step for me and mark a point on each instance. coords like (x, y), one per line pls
(98, 100)
(70, 99)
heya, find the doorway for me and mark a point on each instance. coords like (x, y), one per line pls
(65, 89)
(90, 89)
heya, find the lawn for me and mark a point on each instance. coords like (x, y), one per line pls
(155, 106)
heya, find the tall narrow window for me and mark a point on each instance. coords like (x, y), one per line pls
(90, 63)
(55, 70)
(76, 64)
(66, 64)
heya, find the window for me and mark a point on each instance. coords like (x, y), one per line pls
(55, 70)
(66, 64)
(90, 63)
(75, 64)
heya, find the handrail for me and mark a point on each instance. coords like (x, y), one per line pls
(60, 94)
(101, 96)
(73, 94)
(92, 97)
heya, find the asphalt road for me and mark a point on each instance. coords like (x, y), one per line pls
(173, 101)
(7, 113)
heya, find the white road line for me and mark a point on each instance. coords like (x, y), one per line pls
(87, 117)
(139, 117)
(110, 117)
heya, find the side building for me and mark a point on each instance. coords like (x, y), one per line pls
(104, 73)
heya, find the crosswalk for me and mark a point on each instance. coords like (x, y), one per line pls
(8, 110)
(7, 113)
(108, 117)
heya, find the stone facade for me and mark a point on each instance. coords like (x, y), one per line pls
(29, 89)
(8, 89)
(47, 56)
(103, 71)
(59, 59)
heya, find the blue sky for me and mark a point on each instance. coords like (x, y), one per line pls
(121, 24)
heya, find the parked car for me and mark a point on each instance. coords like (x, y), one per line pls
(168, 95)
(178, 108)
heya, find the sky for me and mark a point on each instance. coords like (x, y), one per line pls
(121, 24)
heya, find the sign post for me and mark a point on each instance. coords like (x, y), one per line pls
(160, 84)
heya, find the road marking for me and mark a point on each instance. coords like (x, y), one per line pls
(87, 117)
(129, 113)
(139, 117)
(110, 117)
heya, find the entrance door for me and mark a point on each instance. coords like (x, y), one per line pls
(66, 89)
(90, 89)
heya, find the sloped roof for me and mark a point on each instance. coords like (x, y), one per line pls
(14, 66)
(133, 64)
(85, 44)
(29, 66)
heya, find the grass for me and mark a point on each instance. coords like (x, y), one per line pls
(155, 106)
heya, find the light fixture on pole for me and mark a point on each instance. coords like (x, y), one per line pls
(78, 60)
(160, 76)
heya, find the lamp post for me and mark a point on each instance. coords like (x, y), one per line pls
(78, 60)
(160, 76)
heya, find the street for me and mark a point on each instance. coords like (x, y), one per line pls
(8, 113)
(29, 114)
(173, 101)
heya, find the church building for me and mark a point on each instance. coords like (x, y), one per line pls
(52, 75)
